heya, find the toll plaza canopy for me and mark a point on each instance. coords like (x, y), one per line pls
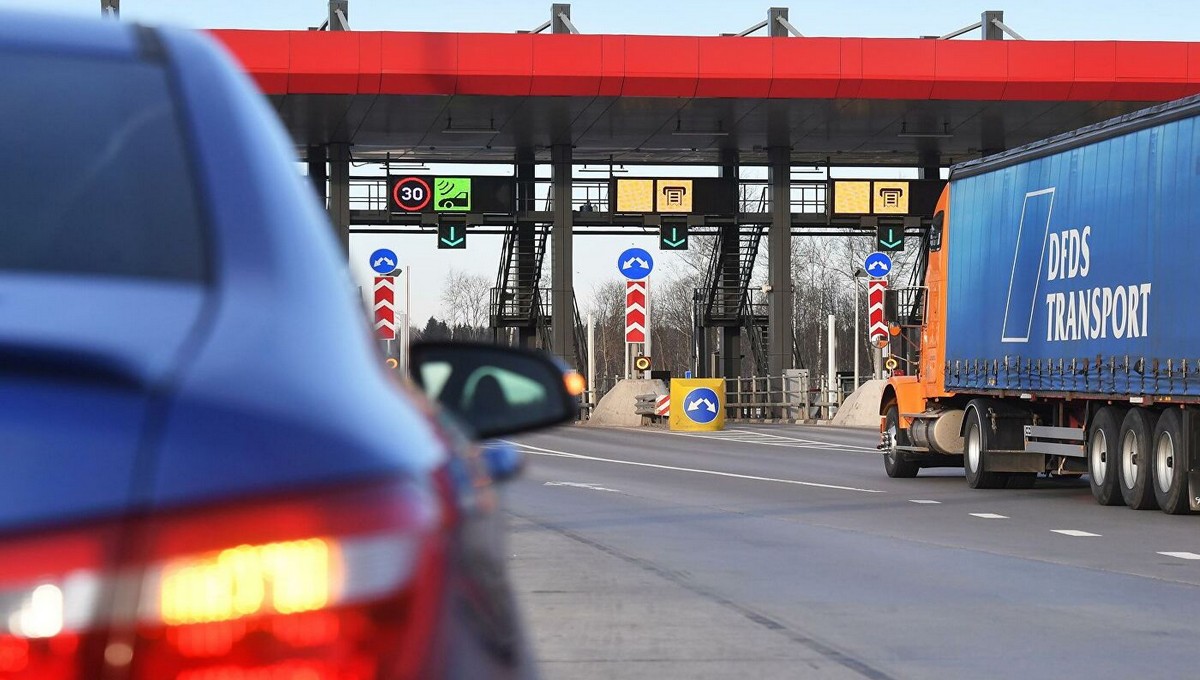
(844, 101)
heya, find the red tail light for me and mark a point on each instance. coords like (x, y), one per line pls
(341, 586)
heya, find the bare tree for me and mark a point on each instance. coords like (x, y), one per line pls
(465, 299)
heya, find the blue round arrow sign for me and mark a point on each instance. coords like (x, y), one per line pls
(701, 405)
(635, 263)
(877, 265)
(383, 261)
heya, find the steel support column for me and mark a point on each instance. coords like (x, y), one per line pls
(339, 191)
(775, 28)
(562, 266)
(318, 172)
(525, 242)
(929, 165)
(730, 276)
(339, 23)
(779, 260)
(701, 338)
(990, 30)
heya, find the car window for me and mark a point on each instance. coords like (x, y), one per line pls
(96, 178)
(516, 389)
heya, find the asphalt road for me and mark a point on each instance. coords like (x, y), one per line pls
(786, 552)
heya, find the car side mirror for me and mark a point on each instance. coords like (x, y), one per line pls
(496, 390)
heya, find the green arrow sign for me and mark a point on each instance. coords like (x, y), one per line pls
(889, 238)
(674, 237)
(450, 236)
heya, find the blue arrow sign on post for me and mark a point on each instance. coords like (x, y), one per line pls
(877, 265)
(383, 261)
(701, 405)
(635, 264)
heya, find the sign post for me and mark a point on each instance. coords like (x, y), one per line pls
(635, 264)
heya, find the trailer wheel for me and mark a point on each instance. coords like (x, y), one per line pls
(975, 446)
(1170, 464)
(1137, 452)
(1104, 459)
(893, 459)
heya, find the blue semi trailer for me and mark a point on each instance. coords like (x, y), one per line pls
(1055, 331)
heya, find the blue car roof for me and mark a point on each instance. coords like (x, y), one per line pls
(67, 35)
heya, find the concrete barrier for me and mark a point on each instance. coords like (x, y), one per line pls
(618, 407)
(861, 408)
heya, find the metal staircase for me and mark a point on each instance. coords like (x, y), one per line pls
(514, 299)
(518, 302)
(727, 301)
(755, 324)
(727, 297)
(543, 309)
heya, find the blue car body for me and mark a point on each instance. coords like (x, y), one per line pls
(240, 366)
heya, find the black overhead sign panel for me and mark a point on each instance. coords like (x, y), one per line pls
(886, 197)
(674, 195)
(451, 194)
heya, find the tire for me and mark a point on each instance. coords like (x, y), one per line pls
(1136, 449)
(893, 460)
(1103, 456)
(975, 446)
(1169, 464)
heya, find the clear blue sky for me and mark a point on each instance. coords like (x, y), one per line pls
(1035, 19)
(594, 256)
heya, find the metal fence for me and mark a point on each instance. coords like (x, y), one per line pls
(790, 397)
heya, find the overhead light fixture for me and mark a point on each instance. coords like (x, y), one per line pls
(944, 134)
(610, 170)
(680, 132)
(468, 130)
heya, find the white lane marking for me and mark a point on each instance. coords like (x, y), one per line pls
(923, 501)
(988, 515)
(1073, 532)
(750, 437)
(537, 450)
(581, 485)
(1182, 555)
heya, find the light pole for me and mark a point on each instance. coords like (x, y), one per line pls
(859, 273)
(403, 337)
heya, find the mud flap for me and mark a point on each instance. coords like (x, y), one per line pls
(1191, 438)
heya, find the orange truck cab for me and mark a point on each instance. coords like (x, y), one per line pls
(915, 407)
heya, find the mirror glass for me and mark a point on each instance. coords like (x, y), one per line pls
(495, 390)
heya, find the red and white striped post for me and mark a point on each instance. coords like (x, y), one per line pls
(636, 321)
(385, 307)
(877, 329)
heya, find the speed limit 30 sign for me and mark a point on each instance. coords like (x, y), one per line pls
(411, 194)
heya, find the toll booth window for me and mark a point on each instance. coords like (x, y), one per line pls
(97, 181)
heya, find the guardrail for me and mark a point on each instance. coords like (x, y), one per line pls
(789, 397)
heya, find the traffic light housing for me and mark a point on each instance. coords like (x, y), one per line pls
(889, 238)
(641, 363)
(673, 236)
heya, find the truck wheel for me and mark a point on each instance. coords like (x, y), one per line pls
(893, 461)
(975, 456)
(1104, 461)
(1170, 464)
(1137, 451)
